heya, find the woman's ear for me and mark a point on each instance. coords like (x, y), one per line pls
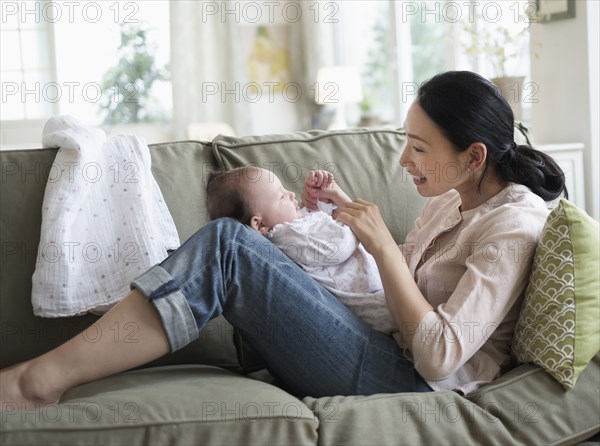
(477, 154)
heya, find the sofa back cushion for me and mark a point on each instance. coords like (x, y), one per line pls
(178, 168)
(365, 163)
(24, 177)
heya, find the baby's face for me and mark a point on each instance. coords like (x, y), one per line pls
(270, 201)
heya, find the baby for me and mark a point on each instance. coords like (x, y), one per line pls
(326, 249)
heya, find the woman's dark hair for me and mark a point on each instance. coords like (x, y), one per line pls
(224, 195)
(468, 108)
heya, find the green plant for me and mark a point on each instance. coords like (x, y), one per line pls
(128, 84)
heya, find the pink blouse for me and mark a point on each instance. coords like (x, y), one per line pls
(473, 268)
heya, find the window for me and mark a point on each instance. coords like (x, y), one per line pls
(83, 62)
(55, 56)
(400, 44)
(365, 39)
(27, 63)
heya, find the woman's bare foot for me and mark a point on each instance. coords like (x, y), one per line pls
(42, 381)
(21, 389)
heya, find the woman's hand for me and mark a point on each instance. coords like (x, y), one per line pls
(366, 222)
(405, 301)
(320, 185)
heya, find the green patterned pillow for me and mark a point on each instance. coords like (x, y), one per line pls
(558, 328)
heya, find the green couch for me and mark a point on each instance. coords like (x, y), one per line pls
(213, 392)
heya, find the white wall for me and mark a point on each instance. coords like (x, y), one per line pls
(593, 16)
(566, 72)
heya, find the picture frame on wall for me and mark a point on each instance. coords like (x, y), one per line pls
(552, 10)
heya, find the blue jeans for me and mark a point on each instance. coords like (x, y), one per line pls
(312, 343)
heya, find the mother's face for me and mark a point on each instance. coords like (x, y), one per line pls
(430, 157)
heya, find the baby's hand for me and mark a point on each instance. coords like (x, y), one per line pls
(319, 184)
(320, 179)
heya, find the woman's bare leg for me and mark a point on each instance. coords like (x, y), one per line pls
(113, 347)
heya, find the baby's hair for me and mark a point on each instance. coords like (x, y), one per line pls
(225, 196)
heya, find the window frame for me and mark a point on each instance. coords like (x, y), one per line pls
(22, 133)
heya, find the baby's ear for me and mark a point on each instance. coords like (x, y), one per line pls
(255, 223)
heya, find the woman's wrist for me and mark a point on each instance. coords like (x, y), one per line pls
(340, 198)
(387, 250)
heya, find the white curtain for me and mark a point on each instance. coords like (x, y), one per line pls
(312, 46)
(209, 64)
(202, 60)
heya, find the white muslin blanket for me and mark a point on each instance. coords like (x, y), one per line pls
(104, 220)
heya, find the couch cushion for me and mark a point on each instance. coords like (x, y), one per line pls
(178, 169)
(429, 418)
(558, 326)
(365, 163)
(524, 406)
(189, 405)
(535, 408)
(23, 336)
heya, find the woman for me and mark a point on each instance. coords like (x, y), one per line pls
(453, 287)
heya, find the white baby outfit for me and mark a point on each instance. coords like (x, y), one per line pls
(330, 253)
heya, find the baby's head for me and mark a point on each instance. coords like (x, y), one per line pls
(252, 196)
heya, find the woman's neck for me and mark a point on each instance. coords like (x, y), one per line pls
(476, 193)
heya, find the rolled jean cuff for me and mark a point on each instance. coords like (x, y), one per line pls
(175, 313)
